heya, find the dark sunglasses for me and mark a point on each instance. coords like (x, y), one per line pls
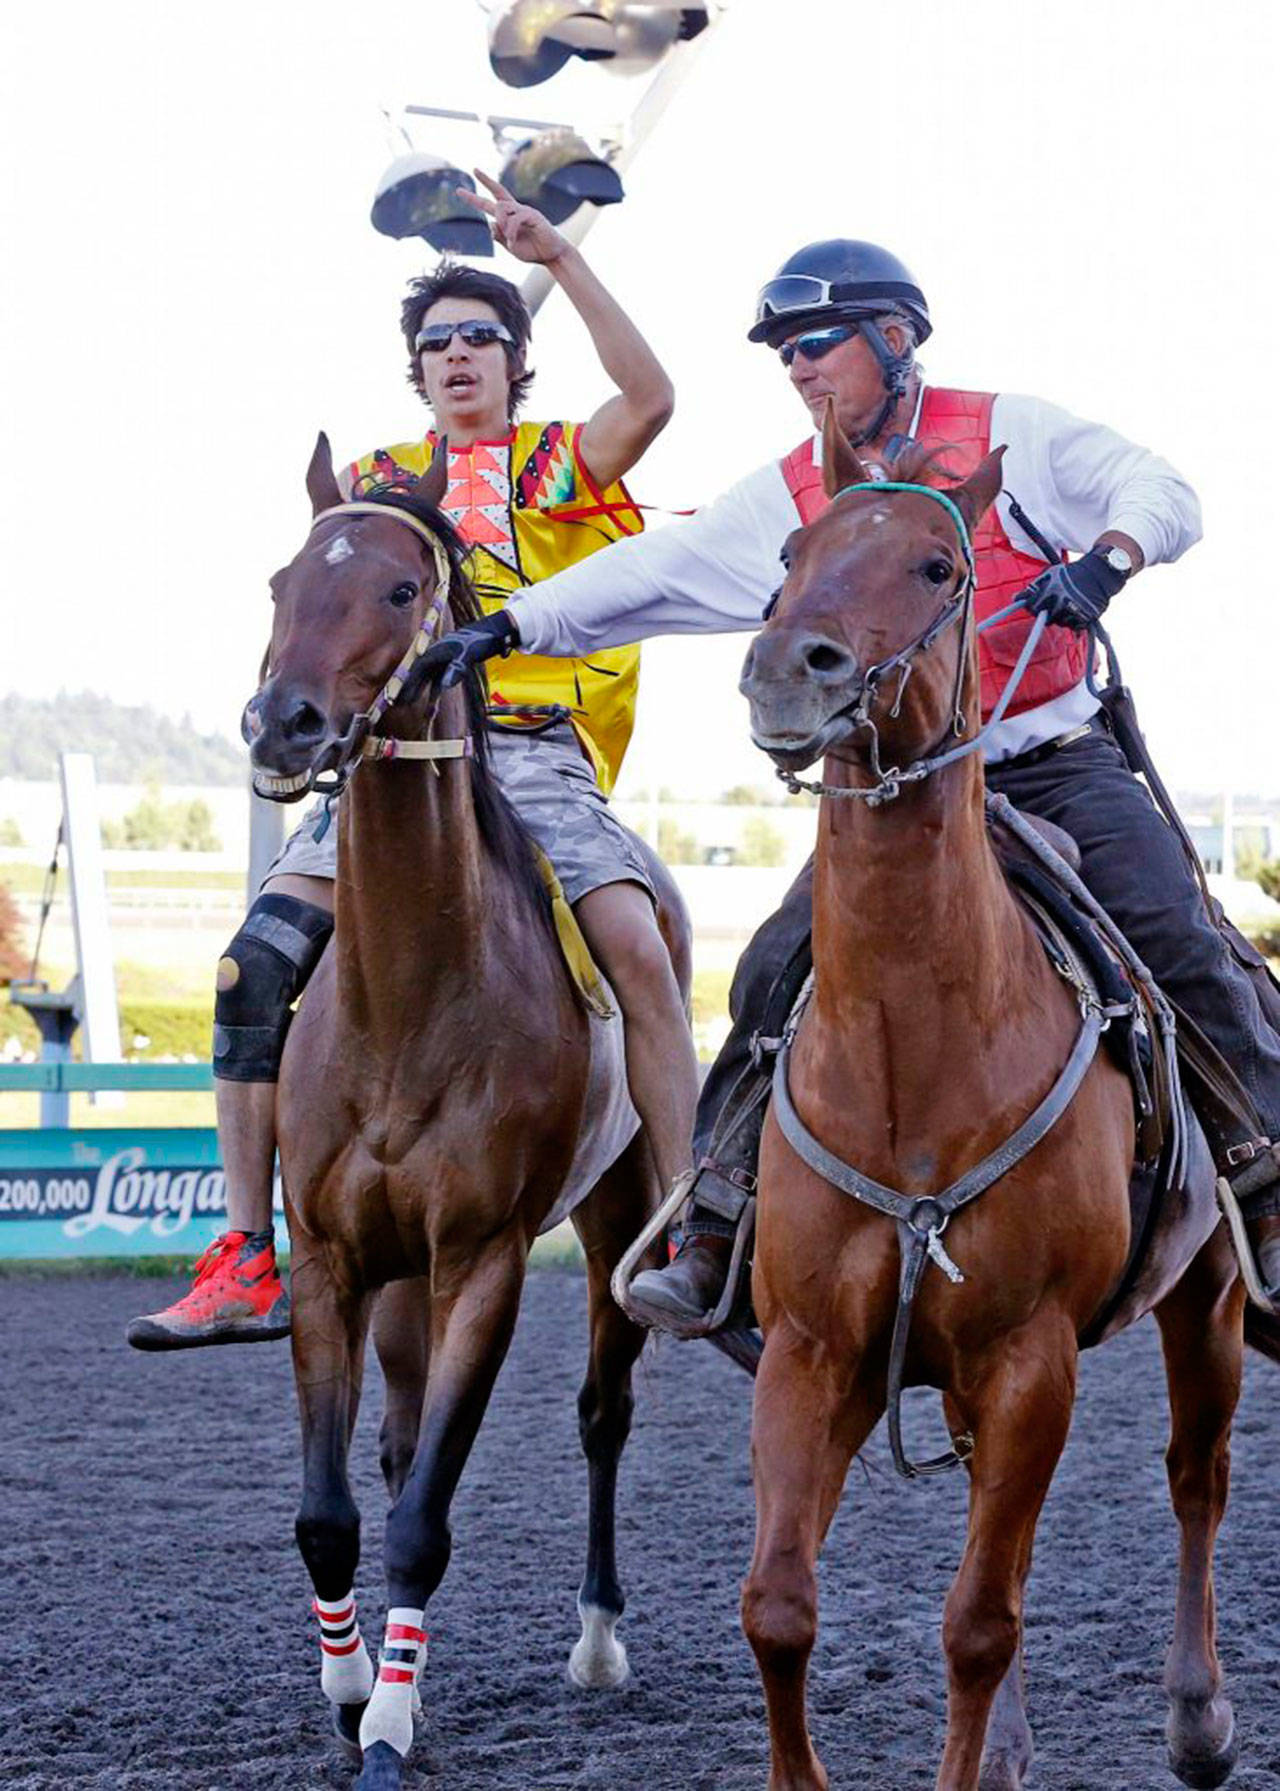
(476, 332)
(815, 343)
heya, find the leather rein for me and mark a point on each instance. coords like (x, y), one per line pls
(360, 742)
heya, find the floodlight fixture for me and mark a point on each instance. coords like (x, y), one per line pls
(417, 196)
(531, 40)
(557, 171)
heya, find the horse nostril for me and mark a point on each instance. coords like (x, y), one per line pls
(821, 657)
(303, 721)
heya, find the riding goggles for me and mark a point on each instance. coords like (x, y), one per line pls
(816, 343)
(476, 332)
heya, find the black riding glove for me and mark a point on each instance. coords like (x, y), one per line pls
(448, 660)
(1074, 594)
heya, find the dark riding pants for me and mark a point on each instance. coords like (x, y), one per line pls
(1134, 864)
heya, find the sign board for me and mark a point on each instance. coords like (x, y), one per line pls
(131, 1191)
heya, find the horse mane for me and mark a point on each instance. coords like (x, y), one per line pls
(925, 463)
(502, 832)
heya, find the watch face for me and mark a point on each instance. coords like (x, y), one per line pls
(1120, 560)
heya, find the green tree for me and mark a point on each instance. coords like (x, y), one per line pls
(675, 845)
(762, 844)
(11, 833)
(747, 796)
(1267, 877)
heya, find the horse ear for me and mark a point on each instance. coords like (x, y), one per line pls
(434, 483)
(981, 489)
(840, 465)
(322, 486)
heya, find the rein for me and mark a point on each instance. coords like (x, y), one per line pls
(360, 742)
(889, 781)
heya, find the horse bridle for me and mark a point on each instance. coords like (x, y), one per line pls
(889, 781)
(360, 742)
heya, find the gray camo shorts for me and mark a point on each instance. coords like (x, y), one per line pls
(550, 784)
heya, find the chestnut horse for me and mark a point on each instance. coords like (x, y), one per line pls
(445, 1093)
(936, 1026)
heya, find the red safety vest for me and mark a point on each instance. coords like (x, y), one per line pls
(962, 420)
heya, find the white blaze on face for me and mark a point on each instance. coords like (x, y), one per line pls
(338, 551)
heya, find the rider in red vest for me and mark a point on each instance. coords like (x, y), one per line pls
(845, 319)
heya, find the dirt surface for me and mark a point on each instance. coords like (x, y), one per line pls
(157, 1633)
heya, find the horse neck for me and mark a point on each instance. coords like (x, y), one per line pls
(910, 907)
(414, 888)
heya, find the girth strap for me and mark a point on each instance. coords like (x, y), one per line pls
(921, 1220)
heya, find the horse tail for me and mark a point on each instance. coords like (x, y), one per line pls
(1262, 1331)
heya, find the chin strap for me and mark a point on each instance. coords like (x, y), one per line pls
(895, 370)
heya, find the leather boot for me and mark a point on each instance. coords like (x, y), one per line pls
(688, 1290)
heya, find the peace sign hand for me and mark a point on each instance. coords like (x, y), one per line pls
(521, 229)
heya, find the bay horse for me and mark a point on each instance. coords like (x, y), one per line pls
(936, 1025)
(445, 1094)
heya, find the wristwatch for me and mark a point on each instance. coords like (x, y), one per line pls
(1118, 558)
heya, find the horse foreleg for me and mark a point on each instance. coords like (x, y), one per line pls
(401, 1337)
(474, 1305)
(1009, 1747)
(615, 1212)
(806, 1425)
(1201, 1328)
(1019, 1414)
(328, 1332)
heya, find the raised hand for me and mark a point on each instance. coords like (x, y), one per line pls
(521, 229)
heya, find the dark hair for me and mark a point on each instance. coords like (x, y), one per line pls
(452, 280)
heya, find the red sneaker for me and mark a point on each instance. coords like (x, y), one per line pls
(236, 1296)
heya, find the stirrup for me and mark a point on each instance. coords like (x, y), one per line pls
(1244, 1248)
(625, 1273)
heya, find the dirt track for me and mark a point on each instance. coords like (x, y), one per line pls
(157, 1635)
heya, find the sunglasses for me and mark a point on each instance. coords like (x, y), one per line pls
(476, 332)
(815, 343)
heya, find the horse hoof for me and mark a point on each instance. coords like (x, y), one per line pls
(598, 1661)
(381, 1768)
(346, 1726)
(1001, 1772)
(1201, 1766)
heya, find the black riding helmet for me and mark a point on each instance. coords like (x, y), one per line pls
(840, 281)
(829, 281)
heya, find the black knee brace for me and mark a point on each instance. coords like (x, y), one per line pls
(264, 970)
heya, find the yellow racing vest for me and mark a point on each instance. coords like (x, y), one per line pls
(528, 506)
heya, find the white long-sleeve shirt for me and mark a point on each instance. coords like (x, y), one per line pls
(714, 573)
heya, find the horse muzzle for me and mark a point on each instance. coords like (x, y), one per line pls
(803, 689)
(292, 743)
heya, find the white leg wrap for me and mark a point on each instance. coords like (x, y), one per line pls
(346, 1672)
(389, 1714)
(598, 1660)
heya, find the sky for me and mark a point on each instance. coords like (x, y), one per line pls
(193, 289)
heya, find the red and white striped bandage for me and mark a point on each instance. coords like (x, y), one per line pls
(346, 1672)
(389, 1715)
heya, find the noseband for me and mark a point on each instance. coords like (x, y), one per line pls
(958, 607)
(359, 741)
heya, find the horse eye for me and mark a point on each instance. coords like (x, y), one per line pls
(403, 596)
(937, 572)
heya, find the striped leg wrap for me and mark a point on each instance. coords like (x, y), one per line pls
(346, 1672)
(389, 1715)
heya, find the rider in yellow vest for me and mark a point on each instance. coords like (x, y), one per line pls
(529, 505)
(531, 498)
